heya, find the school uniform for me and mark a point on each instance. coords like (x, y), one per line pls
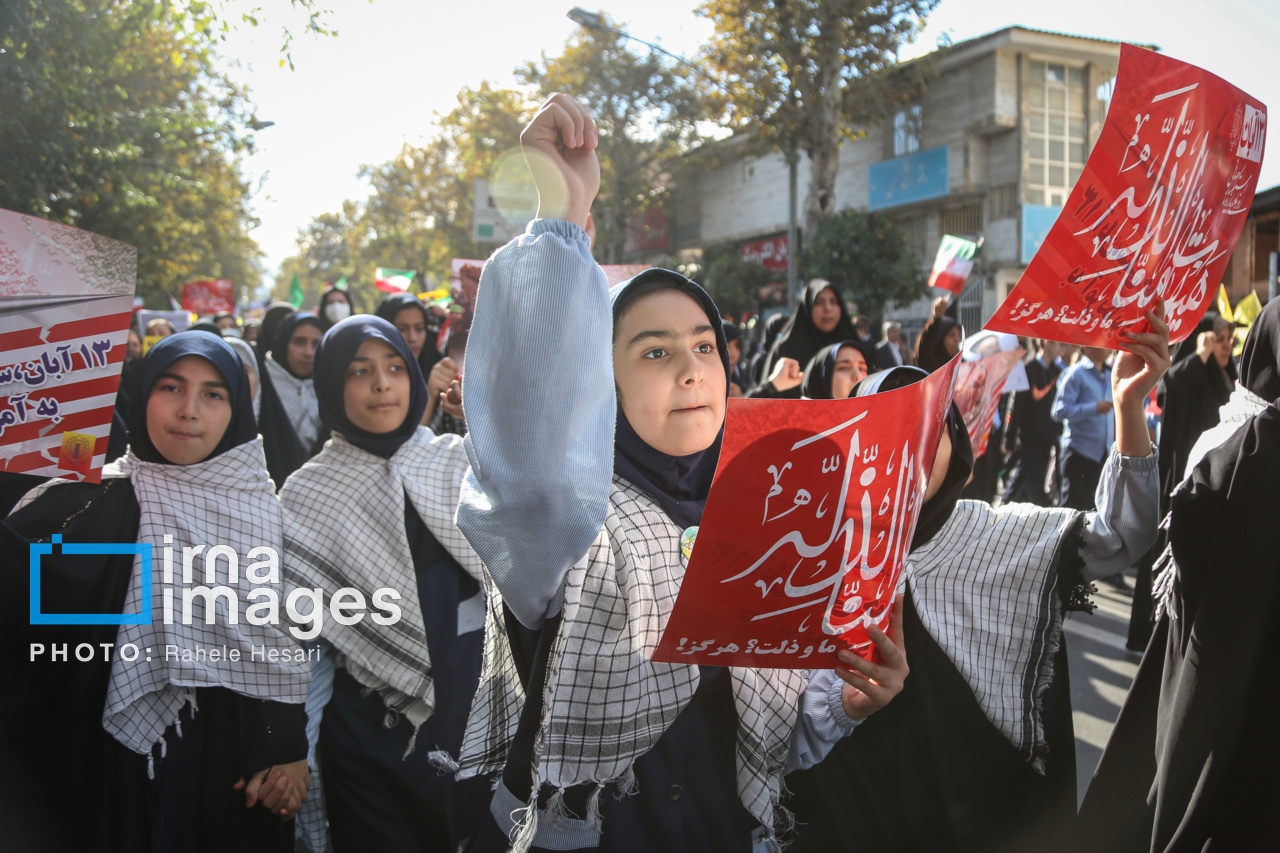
(375, 512)
(601, 748)
(146, 751)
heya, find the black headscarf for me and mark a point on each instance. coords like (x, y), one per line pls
(800, 338)
(270, 325)
(213, 349)
(1260, 360)
(679, 484)
(205, 326)
(937, 509)
(336, 350)
(280, 346)
(392, 305)
(821, 368)
(931, 351)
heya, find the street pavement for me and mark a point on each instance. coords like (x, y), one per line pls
(1101, 672)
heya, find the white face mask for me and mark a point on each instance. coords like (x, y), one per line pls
(336, 311)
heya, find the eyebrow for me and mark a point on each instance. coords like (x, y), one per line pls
(392, 354)
(180, 378)
(666, 334)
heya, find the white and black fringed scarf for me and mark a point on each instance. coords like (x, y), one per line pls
(606, 703)
(225, 500)
(345, 528)
(987, 589)
(298, 397)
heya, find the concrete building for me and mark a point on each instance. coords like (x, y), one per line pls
(991, 149)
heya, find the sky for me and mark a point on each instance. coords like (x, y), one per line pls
(356, 98)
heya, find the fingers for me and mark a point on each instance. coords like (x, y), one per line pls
(255, 784)
(563, 122)
(275, 791)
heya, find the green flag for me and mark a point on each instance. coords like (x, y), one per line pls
(341, 283)
(295, 292)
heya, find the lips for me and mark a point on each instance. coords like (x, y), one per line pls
(185, 436)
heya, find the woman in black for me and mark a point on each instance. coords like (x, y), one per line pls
(819, 320)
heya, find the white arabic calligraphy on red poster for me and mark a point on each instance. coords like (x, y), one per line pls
(66, 299)
(807, 527)
(1156, 212)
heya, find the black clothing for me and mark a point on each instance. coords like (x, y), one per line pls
(1190, 765)
(800, 338)
(1080, 476)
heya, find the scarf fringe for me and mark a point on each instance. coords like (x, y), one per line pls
(526, 820)
(439, 759)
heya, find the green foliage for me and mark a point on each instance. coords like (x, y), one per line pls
(419, 213)
(866, 258)
(646, 109)
(739, 287)
(114, 119)
(804, 75)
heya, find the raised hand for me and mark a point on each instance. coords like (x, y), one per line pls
(786, 374)
(559, 147)
(1136, 372)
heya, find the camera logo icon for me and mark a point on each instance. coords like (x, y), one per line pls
(140, 549)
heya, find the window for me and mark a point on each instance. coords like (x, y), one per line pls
(962, 221)
(1104, 92)
(906, 131)
(915, 228)
(1002, 202)
(1056, 138)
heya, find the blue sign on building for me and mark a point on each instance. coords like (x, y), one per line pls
(914, 177)
(1037, 219)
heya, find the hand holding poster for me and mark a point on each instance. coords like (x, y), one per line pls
(807, 527)
(1156, 213)
(66, 299)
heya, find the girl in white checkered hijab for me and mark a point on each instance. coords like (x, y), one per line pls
(372, 514)
(592, 451)
(184, 728)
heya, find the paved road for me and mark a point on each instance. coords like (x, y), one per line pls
(1101, 671)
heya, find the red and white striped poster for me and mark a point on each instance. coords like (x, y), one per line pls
(66, 299)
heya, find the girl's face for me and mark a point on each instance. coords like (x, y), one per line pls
(671, 382)
(412, 323)
(377, 390)
(850, 369)
(301, 353)
(826, 310)
(188, 410)
(952, 341)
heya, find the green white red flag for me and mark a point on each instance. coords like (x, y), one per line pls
(954, 262)
(393, 281)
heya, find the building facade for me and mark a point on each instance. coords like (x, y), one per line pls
(991, 150)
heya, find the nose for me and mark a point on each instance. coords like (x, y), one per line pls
(187, 410)
(691, 370)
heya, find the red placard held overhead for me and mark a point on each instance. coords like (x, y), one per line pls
(807, 527)
(1156, 212)
(208, 297)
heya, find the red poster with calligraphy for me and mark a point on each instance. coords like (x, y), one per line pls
(979, 385)
(807, 527)
(208, 297)
(1156, 212)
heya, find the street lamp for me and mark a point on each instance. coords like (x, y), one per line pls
(595, 22)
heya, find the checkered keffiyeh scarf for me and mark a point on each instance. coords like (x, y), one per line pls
(986, 587)
(606, 703)
(298, 397)
(345, 528)
(226, 500)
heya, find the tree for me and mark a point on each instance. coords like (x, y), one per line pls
(113, 118)
(867, 260)
(739, 287)
(801, 75)
(646, 110)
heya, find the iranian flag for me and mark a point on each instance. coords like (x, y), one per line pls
(393, 281)
(955, 260)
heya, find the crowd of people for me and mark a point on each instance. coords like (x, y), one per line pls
(450, 648)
